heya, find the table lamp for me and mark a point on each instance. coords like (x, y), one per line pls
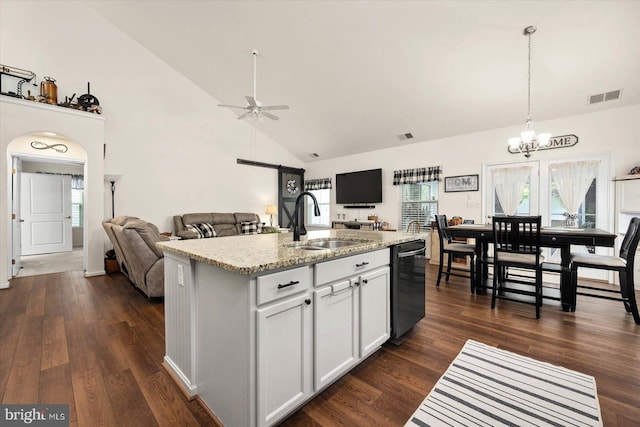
(271, 211)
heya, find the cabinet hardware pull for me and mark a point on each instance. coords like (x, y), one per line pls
(362, 264)
(307, 301)
(291, 283)
(365, 281)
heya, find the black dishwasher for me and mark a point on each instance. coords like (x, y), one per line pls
(407, 286)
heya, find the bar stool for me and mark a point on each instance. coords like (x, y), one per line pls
(451, 249)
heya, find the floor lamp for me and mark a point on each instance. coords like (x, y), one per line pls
(112, 180)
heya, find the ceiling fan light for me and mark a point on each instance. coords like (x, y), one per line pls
(514, 143)
(544, 139)
(527, 136)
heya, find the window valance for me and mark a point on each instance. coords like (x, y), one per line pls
(414, 176)
(317, 184)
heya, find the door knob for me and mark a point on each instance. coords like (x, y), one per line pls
(68, 217)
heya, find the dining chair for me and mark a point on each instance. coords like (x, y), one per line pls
(623, 264)
(413, 227)
(516, 242)
(452, 249)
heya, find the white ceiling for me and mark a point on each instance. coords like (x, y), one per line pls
(358, 73)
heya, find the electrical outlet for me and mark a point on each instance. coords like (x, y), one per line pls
(180, 274)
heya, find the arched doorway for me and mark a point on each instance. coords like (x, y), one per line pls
(47, 203)
(21, 117)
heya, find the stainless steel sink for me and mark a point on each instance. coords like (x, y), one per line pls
(319, 245)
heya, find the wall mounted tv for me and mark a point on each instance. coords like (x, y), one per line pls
(360, 187)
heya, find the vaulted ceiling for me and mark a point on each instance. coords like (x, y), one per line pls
(358, 73)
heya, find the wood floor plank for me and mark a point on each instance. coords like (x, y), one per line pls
(54, 343)
(23, 383)
(125, 394)
(10, 331)
(56, 388)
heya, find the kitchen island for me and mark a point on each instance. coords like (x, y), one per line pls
(258, 325)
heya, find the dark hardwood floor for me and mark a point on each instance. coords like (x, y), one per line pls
(98, 344)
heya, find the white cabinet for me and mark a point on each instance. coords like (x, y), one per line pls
(375, 319)
(284, 356)
(336, 328)
(255, 348)
(630, 196)
(352, 312)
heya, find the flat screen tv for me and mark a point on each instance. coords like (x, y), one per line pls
(359, 187)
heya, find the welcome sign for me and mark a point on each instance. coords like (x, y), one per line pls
(563, 141)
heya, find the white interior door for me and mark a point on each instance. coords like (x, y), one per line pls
(46, 213)
(16, 219)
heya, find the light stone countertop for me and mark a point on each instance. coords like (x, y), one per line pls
(265, 252)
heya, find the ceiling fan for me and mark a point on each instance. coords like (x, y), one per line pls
(255, 107)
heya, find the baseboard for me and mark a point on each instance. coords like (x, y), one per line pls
(5, 285)
(189, 391)
(206, 408)
(94, 273)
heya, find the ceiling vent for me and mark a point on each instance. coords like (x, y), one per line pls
(405, 136)
(607, 96)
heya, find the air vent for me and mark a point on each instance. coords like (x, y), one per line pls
(314, 155)
(610, 96)
(607, 96)
(405, 136)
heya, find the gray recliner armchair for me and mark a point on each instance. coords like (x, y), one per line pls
(134, 242)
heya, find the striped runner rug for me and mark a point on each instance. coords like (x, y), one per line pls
(485, 386)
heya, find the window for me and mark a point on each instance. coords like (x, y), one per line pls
(324, 202)
(541, 195)
(419, 203)
(77, 204)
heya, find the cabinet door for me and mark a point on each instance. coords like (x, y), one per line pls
(375, 322)
(630, 197)
(284, 357)
(335, 331)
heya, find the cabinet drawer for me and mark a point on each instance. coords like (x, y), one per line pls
(330, 271)
(278, 285)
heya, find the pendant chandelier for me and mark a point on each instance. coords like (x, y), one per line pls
(529, 142)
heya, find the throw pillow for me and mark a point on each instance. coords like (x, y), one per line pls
(204, 230)
(251, 227)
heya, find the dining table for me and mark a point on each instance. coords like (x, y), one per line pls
(551, 237)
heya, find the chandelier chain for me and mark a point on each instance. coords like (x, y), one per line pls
(529, 83)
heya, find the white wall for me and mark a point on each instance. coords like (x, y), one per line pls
(175, 149)
(610, 131)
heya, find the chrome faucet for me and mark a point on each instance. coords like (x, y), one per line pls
(298, 229)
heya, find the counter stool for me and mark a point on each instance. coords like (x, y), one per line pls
(451, 249)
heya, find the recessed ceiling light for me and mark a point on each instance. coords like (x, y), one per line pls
(314, 155)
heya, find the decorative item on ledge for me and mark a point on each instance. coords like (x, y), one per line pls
(48, 91)
(634, 171)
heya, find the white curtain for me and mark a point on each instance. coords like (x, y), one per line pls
(573, 180)
(509, 184)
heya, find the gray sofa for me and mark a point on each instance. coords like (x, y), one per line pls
(224, 224)
(134, 242)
